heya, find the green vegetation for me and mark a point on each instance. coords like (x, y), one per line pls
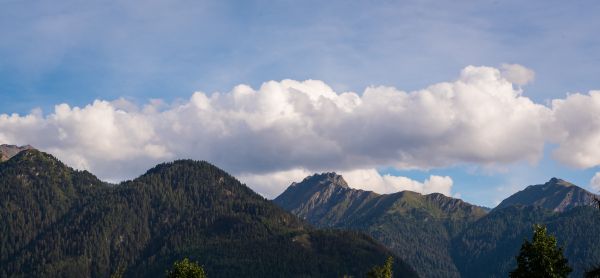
(418, 228)
(382, 271)
(594, 272)
(58, 222)
(487, 248)
(541, 257)
(445, 237)
(186, 269)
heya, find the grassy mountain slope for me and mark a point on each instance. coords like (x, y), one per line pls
(418, 228)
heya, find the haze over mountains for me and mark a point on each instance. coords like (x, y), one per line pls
(446, 237)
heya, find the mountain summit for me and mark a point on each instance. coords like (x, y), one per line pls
(447, 237)
(8, 151)
(318, 196)
(557, 195)
(417, 227)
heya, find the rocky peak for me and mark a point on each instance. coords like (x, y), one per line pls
(325, 179)
(557, 181)
(8, 151)
(556, 195)
(318, 189)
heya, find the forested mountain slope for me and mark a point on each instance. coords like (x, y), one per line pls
(488, 247)
(419, 228)
(58, 222)
(446, 237)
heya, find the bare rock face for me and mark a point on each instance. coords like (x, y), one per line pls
(8, 151)
(322, 199)
(556, 195)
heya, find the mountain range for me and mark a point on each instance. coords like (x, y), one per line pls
(59, 222)
(442, 236)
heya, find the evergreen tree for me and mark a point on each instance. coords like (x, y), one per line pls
(382, 271)
(541, 257)
(186, 269)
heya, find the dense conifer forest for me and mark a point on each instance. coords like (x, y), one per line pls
(56, 221)
(59, 222)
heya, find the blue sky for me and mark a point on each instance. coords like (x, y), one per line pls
(73, 52)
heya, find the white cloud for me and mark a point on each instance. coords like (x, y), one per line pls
(480, 119)
(595, 182)
(370, 179)
(576, 128)
(517, 74)
(98, 137)
(271, 185)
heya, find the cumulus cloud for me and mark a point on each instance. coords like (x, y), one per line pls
(480, 118)
(517, 74)
(576, 129)
(370, 179)
(271, 184)
(98, 137)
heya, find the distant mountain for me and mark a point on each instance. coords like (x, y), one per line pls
(488, 247)
(8, 151)
(417, 227)
(59, 222)
(556, 195)
(324, 200)
(446, 237)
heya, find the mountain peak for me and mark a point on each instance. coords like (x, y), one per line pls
(8, 151)
(557, 181)
(556, 195)
(326, 201)
(33, 155)
(325, 179)
(321, 189)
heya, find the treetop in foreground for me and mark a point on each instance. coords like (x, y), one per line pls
(541, 257)
(186, 269)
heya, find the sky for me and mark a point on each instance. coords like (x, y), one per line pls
(473, 99)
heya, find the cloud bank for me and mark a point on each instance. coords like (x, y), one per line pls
(289, 127)
(271, 184)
